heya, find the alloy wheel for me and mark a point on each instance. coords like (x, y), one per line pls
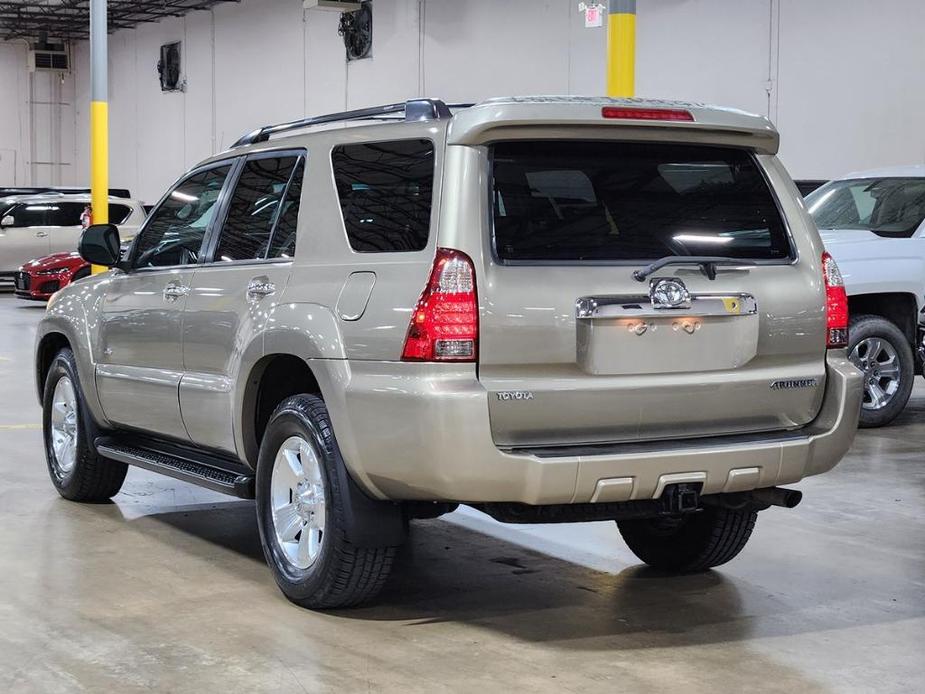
(297, 502)
(64, 425)
(879, 361)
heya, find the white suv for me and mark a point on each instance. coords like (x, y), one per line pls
(35, 226)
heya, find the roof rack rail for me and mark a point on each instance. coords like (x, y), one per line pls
(413, 110)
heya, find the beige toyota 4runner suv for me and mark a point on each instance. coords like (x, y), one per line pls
(550, 309)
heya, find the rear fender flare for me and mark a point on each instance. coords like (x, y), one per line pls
(304, 330)
(309, 331)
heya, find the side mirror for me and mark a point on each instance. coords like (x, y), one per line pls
(99, 245)
(8, 221)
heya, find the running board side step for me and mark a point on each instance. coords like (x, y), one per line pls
(197, 468)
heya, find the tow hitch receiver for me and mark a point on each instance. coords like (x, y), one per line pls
(681, 498)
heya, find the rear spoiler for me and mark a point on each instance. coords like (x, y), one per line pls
(576, 117)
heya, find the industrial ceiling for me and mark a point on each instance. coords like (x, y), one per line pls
(70, 19)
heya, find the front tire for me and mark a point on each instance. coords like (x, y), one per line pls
(76, 470)
(691, 542)
(301, 513)
(879, 349)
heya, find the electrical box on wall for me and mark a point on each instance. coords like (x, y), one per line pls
(169, 66)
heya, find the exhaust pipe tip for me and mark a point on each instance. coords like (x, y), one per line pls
(778, 496)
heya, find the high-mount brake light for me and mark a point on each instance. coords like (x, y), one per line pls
(836, 304)
(445, 322)
(627, 113)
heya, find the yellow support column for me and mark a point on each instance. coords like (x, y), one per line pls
(621, 48)
(99, 161)
(99, 115)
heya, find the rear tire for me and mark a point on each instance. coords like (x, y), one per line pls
(76, 470)
(692, 542)
(892, 362)
(301, 513)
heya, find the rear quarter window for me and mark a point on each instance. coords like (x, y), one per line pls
(386, 193)
(119, 214)
(574, 201)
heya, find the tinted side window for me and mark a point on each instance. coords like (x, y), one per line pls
(31, 215)
(284, 236)
(253, 209)
(386, 190)
(174, 232)
(118, 213)
(64, 214)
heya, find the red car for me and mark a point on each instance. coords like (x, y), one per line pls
(39, 279)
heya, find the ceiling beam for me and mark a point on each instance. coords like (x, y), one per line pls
(70, 19)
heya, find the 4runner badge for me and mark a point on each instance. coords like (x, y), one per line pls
(793, 383)
(506, 395)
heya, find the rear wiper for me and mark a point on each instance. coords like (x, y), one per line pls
(707, 264)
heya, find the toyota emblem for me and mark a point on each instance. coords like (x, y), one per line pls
(668, 292)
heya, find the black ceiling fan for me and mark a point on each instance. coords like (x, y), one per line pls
(357, 29)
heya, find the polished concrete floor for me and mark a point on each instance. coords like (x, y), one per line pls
(166, 590)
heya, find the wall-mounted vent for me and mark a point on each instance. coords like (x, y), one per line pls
(43, 60)
(168, 68)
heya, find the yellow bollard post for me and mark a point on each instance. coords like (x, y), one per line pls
(99, 115)
(621, 48)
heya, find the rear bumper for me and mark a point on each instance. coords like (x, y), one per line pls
(412, 431)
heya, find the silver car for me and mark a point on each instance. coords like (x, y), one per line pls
(550, 309)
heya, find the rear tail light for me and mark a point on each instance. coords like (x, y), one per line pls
(625, 113)
(445, 322)
(836, 304)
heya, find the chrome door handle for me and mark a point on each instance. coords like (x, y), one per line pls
(174, 291)
(260, 288)
(41, 234)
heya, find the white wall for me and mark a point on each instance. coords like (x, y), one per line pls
(13, 131)
(851, 84)
(37, 121)
(715, 51)
(843, 80)
(262, 61)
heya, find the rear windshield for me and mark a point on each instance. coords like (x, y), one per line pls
(613, 201)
